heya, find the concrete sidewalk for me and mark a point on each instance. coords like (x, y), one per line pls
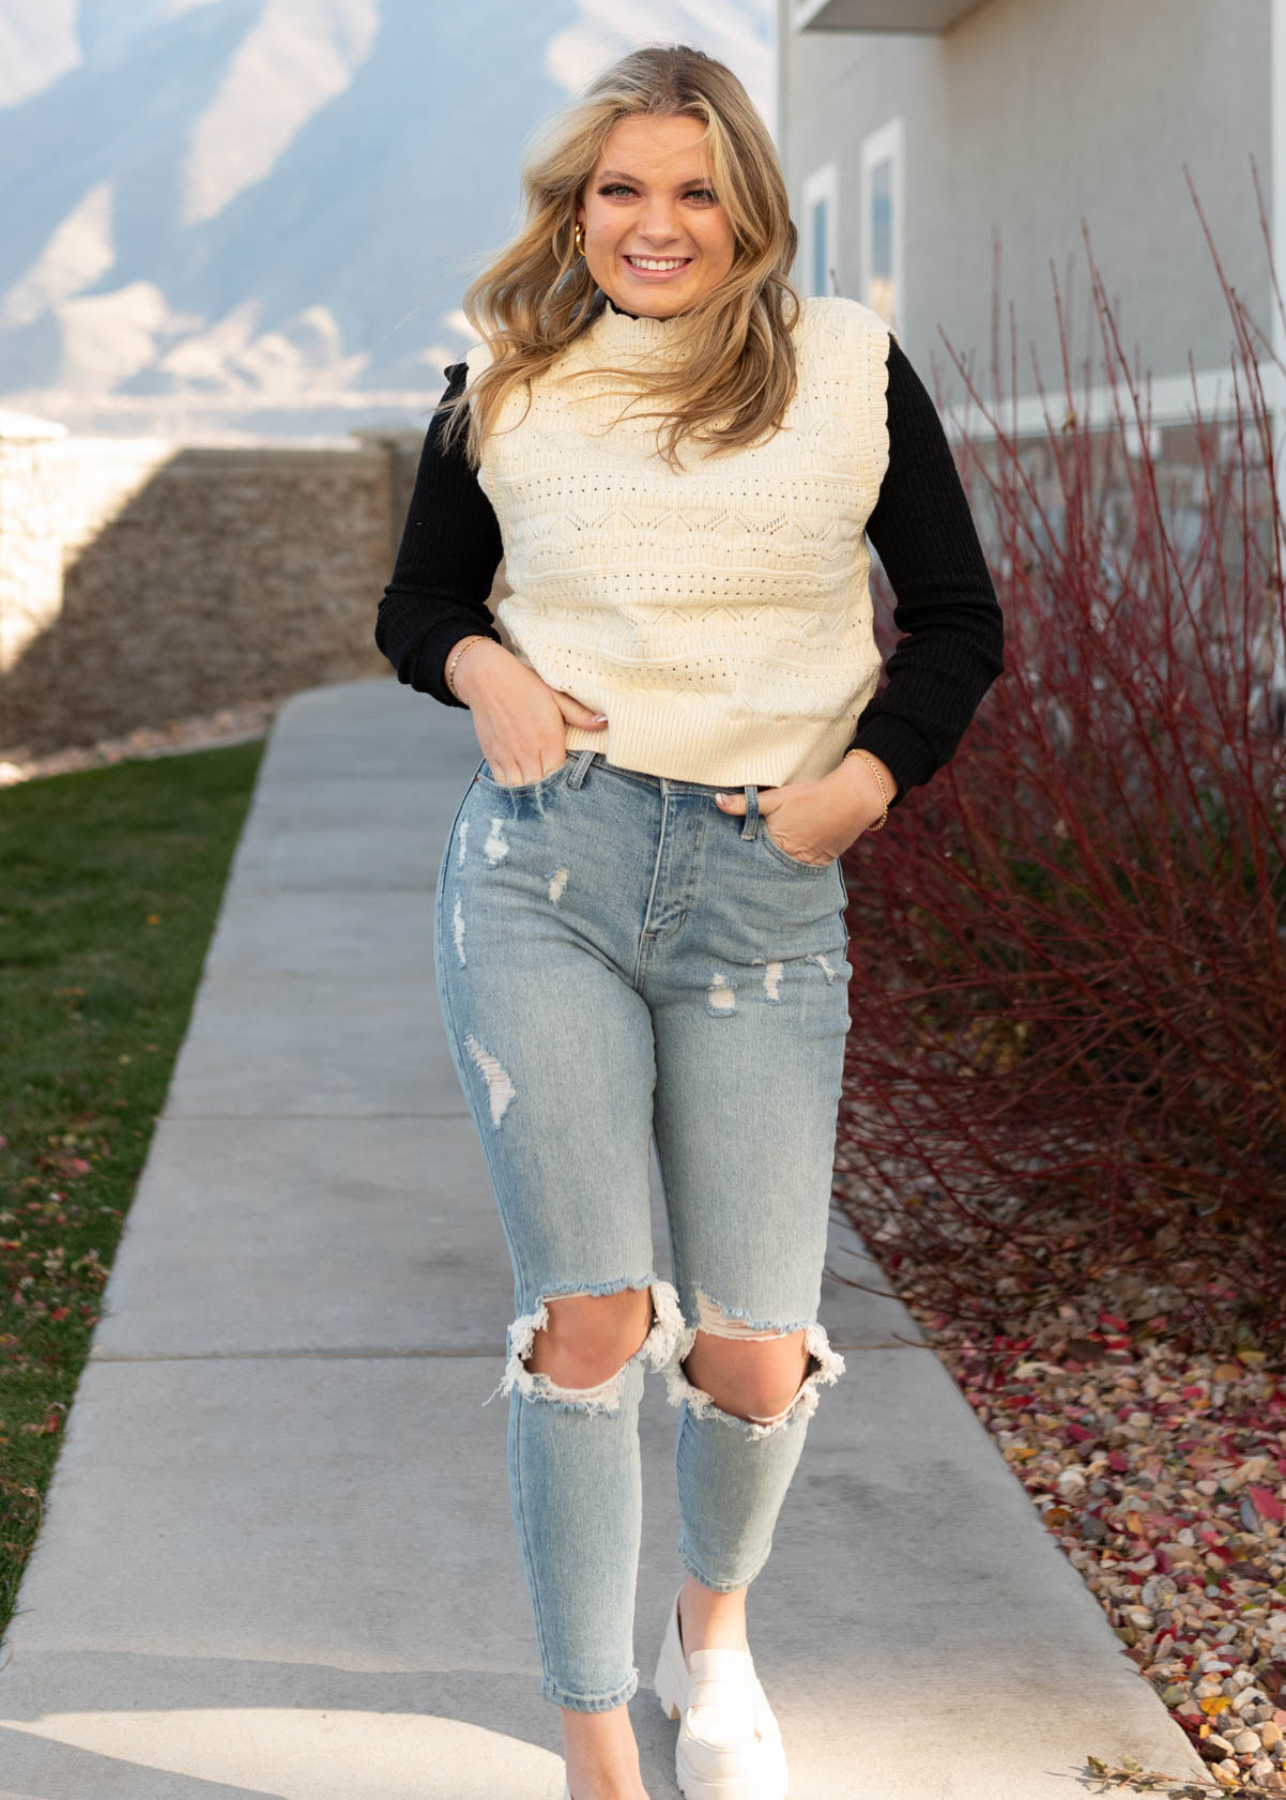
(277, 1558)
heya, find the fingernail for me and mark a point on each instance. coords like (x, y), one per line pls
(721, 798)
(600, 718)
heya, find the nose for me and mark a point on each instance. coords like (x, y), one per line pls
(657, 224)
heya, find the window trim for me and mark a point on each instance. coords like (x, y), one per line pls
(822, 184)
(888, 142)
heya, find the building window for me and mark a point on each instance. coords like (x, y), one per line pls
(821, 232)
(883, 188)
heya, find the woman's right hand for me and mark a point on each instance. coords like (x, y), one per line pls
(521, 722)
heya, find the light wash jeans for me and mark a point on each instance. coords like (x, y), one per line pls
(615, 956)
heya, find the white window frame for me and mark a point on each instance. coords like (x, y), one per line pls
(888, 143)
(821, 186)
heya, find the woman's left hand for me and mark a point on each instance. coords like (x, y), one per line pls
(820, 819)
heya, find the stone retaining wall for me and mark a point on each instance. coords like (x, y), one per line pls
(143, 581)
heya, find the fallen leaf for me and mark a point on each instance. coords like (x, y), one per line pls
(1267, 1505)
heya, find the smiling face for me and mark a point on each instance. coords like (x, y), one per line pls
(650, 201)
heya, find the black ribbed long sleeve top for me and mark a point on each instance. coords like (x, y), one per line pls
(951, 650)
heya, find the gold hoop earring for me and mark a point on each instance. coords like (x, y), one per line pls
(578, 238)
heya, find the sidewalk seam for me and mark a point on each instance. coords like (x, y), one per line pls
(351, 1354)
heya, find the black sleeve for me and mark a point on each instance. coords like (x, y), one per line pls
(445, 567)
(945, 601)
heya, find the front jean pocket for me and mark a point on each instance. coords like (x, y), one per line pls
(792, 862)
(487, 779)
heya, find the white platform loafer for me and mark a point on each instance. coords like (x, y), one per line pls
(729, 1745)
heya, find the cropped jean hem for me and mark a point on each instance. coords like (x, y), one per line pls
(709, 1581)
(590, 1702)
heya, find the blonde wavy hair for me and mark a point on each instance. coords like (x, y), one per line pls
(734, 374)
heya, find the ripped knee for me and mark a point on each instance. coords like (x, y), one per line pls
(589, 1336)
(755, 1375)
(575, 1350)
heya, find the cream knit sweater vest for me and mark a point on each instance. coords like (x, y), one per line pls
(720, 616)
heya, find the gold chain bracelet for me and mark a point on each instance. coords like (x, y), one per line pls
(460, 649)
(871, 764)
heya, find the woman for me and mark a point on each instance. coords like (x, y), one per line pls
(639, 922)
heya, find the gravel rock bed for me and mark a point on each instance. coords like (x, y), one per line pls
(1159, 1470)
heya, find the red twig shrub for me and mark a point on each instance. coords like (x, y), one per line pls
(1070, 973)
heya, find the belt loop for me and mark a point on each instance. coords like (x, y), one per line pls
(583, 759)
(751, 827)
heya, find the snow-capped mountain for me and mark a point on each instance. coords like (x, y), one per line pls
(247, 218)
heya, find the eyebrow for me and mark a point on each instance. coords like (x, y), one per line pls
(619, 175)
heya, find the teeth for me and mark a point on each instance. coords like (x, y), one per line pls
(650, 262)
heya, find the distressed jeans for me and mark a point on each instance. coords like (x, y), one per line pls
(617, 958)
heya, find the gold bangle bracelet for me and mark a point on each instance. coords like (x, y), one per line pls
(869, 760)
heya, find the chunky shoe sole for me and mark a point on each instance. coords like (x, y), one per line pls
(671, 1682)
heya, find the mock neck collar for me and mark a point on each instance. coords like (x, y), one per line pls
(616, 331)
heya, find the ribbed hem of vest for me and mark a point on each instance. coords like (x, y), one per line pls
(686, 744)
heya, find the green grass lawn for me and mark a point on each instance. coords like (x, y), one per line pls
(110, 884)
